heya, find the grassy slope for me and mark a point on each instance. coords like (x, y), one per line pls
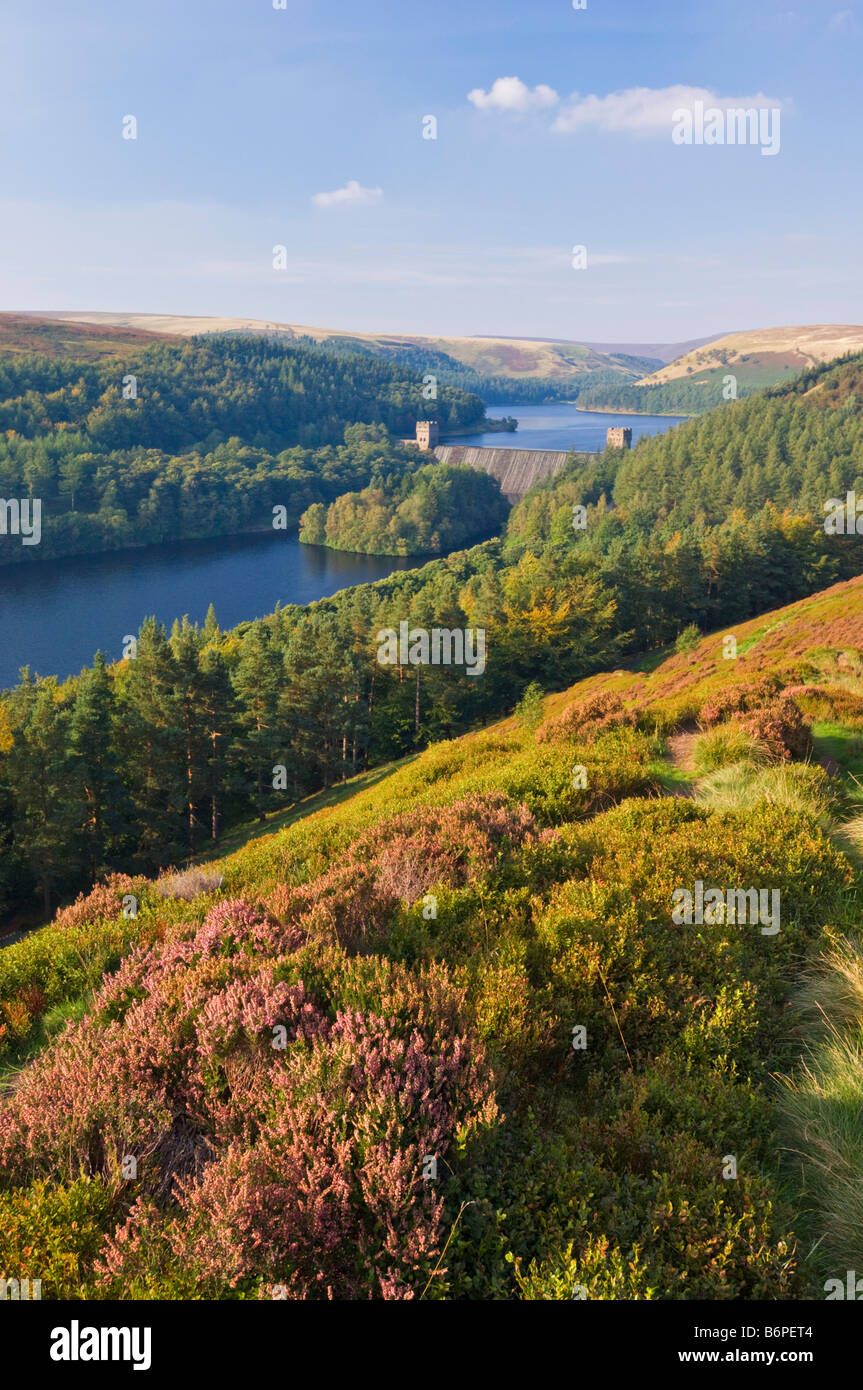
(689, 1029)
(82, 342)
(764, 355)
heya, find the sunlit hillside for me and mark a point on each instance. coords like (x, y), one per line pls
(436, 1033)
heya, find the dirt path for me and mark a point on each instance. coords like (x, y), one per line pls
(680, 750)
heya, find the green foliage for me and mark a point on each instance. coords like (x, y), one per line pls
(220, 431)
(436, 508)
(528, 711)
(688, 639)
(52, 1232)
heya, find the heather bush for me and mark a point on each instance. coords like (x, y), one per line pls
(279, 1134)
(740, 698)
(449, 844)
(780, 727)
(597, 713)
(104, 903)
(397, 861)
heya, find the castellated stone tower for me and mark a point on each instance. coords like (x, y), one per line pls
(427, 434)
(618, 437)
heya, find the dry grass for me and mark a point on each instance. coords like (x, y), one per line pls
(802, 787)
(189, 884)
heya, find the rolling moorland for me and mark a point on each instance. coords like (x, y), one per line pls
(422, 1023)
(241, 1087)
(650, 378)
(697, 380)
(511, 369)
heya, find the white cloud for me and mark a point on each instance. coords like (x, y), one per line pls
(841, 22)
(352, 193)
(511, 94)
(636, 111)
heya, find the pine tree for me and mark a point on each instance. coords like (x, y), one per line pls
(103, 804)
(219, 718)
(150, 741)
(258, 681)
(41, 782)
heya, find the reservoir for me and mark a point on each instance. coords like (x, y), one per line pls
(559, 425)
(55, 615)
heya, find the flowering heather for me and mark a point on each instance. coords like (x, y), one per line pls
(279, 1130)
(741, 698)
(449, 844)
(102, 903)
(399, 860)
(342, 905)
(598, 712)
(781, 728)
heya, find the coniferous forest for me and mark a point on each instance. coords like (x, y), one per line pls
(198, 440)
(151, 760)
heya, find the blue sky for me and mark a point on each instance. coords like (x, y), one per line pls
(247, 113)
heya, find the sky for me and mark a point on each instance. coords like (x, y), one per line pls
(305, 127)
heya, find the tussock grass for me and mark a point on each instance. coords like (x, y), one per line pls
(822, 1105)
(189, 884)
(725, 746)
(801, 787)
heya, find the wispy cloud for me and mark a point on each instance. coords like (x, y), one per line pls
(645, 110)
(352, 194)
(634, 111)
(511, 94)
(842, 22)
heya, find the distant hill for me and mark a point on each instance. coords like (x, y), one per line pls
(698, 380)
(82, 342)
(765, 353)
(483, 364)
(666, 352)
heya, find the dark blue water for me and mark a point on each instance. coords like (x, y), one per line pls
(56, 614)
(562, 426)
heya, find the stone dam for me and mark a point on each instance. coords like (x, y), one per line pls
(515, 469)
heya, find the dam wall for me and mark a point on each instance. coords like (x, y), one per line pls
(515, 469)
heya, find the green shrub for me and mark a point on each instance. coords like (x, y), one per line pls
(528, 711)
(52, 1232)
(688, 639)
